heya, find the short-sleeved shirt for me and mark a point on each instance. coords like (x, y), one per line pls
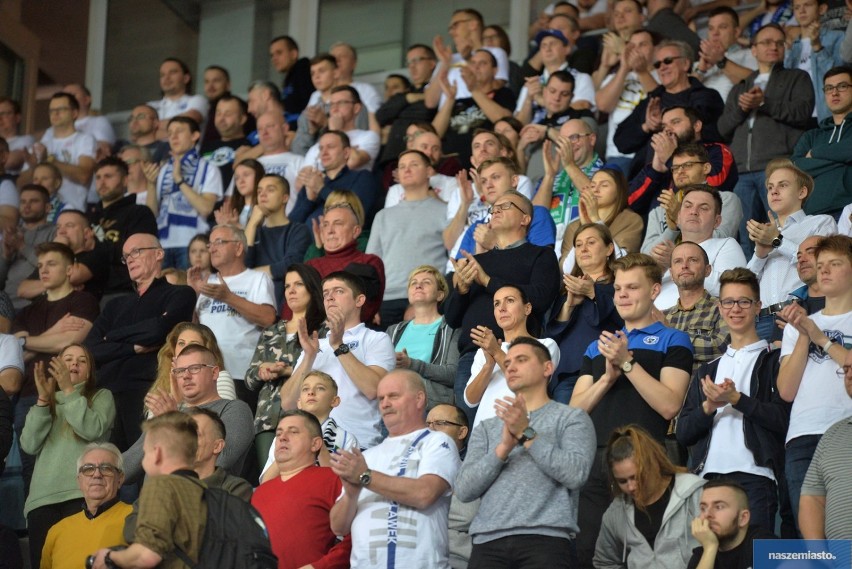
(237, 336)
(654, 347)
(356, 413)
(420, 537)
(829, 475)
(69, 150)
(168, 108)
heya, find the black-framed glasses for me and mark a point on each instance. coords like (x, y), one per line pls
(220, 242)
(106, 469)
(840, 88)
(134, 253)
(744, 303)
(441, 423)
(842, 371)
(678, 167)
(666, 61)
(505, 206)
(194, 369)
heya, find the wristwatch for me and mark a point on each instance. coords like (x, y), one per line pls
(777, 241)
(722, 62)
(366, 478)
(528, 435)
(179, 183)
(627, 367)
(341, 349)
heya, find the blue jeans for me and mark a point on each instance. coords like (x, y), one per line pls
(766, 327)
(762, 496)
(751, 189)
(462, 375)
(176, 258)
(797, 459)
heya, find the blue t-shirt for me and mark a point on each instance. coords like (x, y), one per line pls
(419, 340)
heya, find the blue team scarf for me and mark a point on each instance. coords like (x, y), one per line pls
(175, 209)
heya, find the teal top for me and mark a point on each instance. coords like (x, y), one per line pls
(419, 340)
(57, 442)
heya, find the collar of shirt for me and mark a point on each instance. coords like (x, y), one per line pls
(755, 347)
(514, 245)
(100, 509)
(706, 299)
(354, 331)
(795, 217)
(650, 330)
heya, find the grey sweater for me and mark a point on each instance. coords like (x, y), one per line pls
(406, 236)
(239, 434)
(535, 491)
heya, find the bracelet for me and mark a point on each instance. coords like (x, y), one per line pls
(179, 183)
(827, 345)
(40, 400)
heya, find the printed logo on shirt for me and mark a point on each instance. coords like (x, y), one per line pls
(221, 156)
(651, 340)
(353, 345)
(817, 354)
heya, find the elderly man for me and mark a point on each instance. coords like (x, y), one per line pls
(100, 474)
(340, 228)
(295, 506)
(673, 61)
(527, 464)
(195, 373)
(237, 303)
(125, 338)
(408, 479)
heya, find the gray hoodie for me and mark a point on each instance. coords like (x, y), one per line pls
(620, 545)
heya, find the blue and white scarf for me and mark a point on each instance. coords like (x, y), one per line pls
(175, 209)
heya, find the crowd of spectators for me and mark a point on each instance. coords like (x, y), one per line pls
(586, 305)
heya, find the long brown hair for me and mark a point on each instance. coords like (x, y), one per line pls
(90, 387)
(238, 201)
(621, 192)
(606, 236)
(653, 466)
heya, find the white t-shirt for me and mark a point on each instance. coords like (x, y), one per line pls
(9, 194)
(370, 97)
(822, 399)
(356, 413)
(98, 126)
(844, 224)
(69, 150)
(420, 537)
(727, 451)
(630, 97)
(584, 87)
(237, 336)
(446, 188)
(497, 386)
(208, 180)
(365, 140)
(168, 108)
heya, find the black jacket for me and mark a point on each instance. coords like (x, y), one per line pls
(765, 415)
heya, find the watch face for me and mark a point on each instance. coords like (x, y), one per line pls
(529, 433)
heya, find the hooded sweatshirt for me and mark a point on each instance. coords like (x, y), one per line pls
(621, 545)
(830, 164)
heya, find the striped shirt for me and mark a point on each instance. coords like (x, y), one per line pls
(829, 475)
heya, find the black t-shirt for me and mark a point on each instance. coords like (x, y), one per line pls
(221, 154)
(466, 118)
(740, 557)
(649, 521)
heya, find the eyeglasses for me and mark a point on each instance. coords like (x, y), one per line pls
(840, 88)
(194, 369)
(841, 371)
(679, 167)
(441, 423)
(455, 24)
(744, 303)
(220, 242)
(334, 104)
(770, 43)
(576, 137)
(134, 253)
(667, 61)
(105, 469)
(339, 205)
(505, 206)
(139, 117)
(416, 60)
